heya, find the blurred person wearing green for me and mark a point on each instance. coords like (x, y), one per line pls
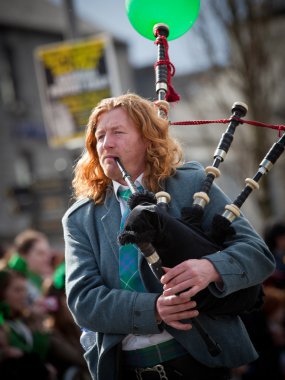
(67, 352)
(26, 350)
(33, 257)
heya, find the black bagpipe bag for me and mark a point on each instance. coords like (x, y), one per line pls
(176, 241)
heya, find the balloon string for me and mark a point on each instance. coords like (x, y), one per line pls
(171, 94)
(279, 127)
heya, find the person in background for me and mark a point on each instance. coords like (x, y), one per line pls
(137, 327)
(66, 354)
(274, 236)
(24, 351)
(33, 257)
(266, 328)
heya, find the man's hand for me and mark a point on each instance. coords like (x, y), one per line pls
(172, 309)
(189, 277)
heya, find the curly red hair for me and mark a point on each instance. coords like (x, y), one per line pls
(163, 153)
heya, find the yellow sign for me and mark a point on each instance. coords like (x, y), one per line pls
(73, 77)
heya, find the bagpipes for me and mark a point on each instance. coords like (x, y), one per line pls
(164, 240)
(170, 238)
(174, 240)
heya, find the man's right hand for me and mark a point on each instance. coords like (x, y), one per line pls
(175, 308)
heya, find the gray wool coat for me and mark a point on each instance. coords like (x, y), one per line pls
(98, 304)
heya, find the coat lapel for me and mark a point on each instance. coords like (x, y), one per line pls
(111, 220)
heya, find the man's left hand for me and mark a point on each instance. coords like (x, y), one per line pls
(189, 277)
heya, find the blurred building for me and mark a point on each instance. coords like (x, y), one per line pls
(35, 179)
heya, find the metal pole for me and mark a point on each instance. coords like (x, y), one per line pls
(70, 15)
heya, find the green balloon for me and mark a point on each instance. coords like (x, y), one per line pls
(178, 15)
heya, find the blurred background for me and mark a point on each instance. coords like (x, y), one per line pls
(58, 58)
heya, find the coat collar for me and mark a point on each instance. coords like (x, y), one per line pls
(111, 219)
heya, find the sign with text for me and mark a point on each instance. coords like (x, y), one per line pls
(73, 76)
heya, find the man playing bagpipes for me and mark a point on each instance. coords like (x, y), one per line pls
(134, 325)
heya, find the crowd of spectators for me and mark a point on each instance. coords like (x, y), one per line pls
(38, 337)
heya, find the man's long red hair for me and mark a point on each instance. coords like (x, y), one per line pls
(163, 153)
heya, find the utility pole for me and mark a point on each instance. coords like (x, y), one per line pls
(70, 15)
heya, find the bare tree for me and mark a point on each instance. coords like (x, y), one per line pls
(253, 53)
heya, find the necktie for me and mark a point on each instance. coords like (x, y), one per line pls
(128, 256)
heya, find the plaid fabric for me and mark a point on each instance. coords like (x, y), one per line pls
(153, 355)
(128, 258)
(125, 194)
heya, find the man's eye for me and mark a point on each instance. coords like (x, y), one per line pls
(100, 137)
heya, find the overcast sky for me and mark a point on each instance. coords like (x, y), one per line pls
(186, 53)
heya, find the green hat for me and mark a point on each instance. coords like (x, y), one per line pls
(17, 263)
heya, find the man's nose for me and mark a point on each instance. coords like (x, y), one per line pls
(108, 141)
